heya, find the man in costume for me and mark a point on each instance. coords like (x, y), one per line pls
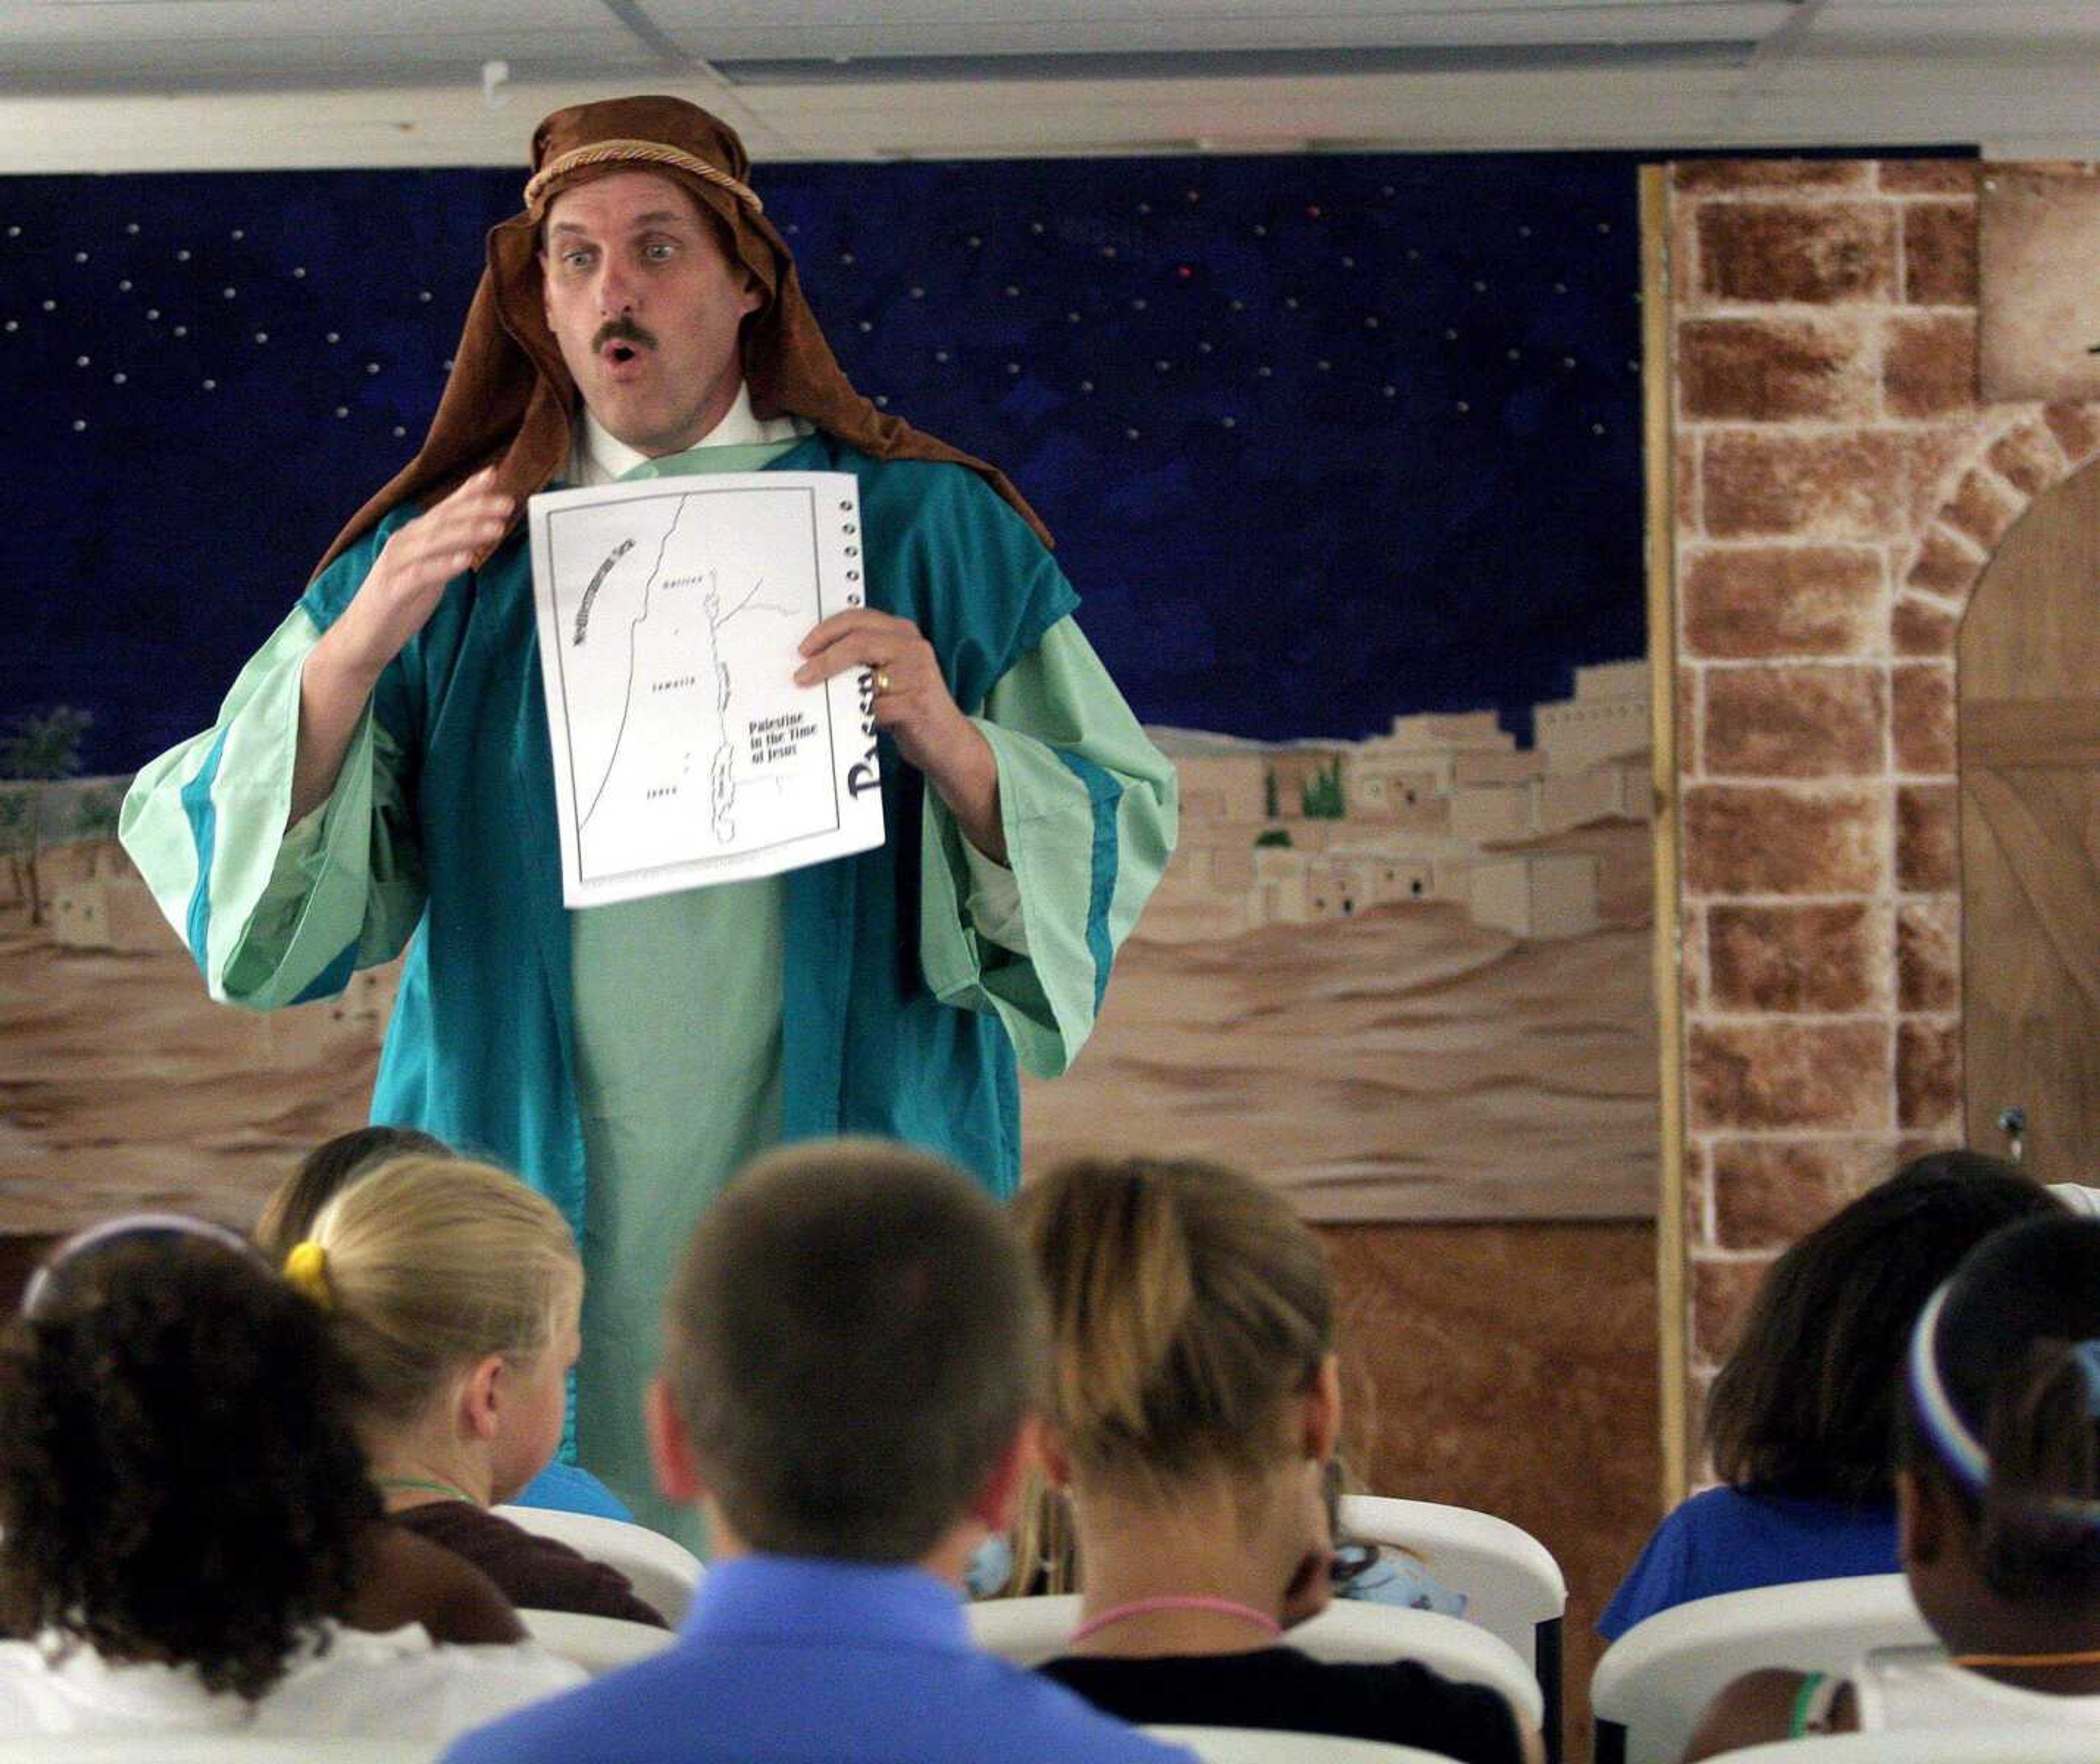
(382, 767)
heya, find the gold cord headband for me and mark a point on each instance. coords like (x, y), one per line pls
(306, 1272)
(639, 152)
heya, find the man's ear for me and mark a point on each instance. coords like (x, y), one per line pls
(999, 1494)
(1323, 1411)
(481, 1394)
(670, 1451)
(1053, 1454)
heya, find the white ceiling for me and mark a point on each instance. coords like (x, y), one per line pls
(162, 84)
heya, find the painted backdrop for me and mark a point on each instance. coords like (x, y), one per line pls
(1342, 453)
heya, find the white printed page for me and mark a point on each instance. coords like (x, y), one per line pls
(670, 613)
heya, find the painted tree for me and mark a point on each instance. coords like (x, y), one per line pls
(42, 749)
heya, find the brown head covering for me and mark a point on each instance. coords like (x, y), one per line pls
(510, 400)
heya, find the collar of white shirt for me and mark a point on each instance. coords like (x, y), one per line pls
(598, 456)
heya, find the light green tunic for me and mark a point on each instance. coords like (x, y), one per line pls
(677, 999)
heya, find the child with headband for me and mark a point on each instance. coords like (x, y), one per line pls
(458, 1290)
(187, 1536)
(1192, 1407)
(288, 1219)
(2000, 1512)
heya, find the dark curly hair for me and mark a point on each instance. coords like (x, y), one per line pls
(179, 1480)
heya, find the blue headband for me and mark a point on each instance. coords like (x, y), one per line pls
(1952, 1441)
(148, 1225)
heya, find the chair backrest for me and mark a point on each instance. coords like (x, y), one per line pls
(149, 1746)
(1260, 1745)
(1029, 1631)
(1513, 1587)
(1949, 1745)
(599, 1645)
(1655, 1682)
(662, 1570)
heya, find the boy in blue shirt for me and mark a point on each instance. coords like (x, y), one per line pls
(851, 1345)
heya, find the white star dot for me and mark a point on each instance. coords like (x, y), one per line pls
(422, 294)
(335, 337)
(1413, 256)
(882, 398)
(1524, 232)
(14, 325)
(1191, 196)
(1239, 306)
(1035, 226)
(1463, 407)
(1265, 371)
(1085, 385)
(1162, 364)
(1596, 428)
(1450, 337)
(182, 257)
(1390, 391)
(1130, 434)
(918, 294)
(81, 361)
(1604, 225)
(398, 430)
(371, 367)
(866, 326)
(211, 386)
(124, 286)
(1371, 323)
(1232, 422)
(1144, 208)
(1139, 306)
(1561, 287)
(182, 330)
(1568, 361)
(116, 379)
(227, 294)
(343, 410)
(1385, 189)
(51, 306)
(1203, 348)
(1516, 355)
(1325, 367)
(975, 241)
(1479, 287)
(133, 229)
(299, 270)
(1071, 318)
(79, 257)
(1013, 367)
(78, 424)
(261, 337)
(845, 257)
(448, 364)
(1292, 301)
(1108, 251)
(239, 234)
(1011, 290)
(940, 355)
(1348, 262)
(153, 313)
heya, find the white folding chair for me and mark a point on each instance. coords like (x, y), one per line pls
(1948, 1745)
(148, 1747)
(1513, 1587)
(1655, 1682)
(599, 1645)
(1029, 1631)
(1261, 1745)
(662, 1570)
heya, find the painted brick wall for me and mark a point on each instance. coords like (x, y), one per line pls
(1839, 491)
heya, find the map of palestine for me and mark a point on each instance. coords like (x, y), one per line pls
(676, 608)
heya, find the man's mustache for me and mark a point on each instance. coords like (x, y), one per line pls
(622, 329)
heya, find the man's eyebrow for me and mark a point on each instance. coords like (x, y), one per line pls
(656, 217)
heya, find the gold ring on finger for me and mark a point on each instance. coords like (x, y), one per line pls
(881, 681)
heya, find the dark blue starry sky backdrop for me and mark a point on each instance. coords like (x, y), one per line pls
(1323, 440)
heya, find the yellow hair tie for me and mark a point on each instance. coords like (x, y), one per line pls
(306, 1271)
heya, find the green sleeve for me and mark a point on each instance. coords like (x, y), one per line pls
(273, 917)
(1087, 805)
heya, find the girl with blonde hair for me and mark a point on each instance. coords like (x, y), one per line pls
(1193, 1406)
(458, 1290)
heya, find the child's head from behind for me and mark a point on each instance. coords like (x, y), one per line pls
(2002, 1447)
(458, 1290)
(851, 1345)
(1189, 1313)
(180, 1478)
(1806, 1403)
(289, 1215)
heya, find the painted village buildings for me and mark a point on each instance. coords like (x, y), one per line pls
(1440, 807)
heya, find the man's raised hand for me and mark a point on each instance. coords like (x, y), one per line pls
(408, 577)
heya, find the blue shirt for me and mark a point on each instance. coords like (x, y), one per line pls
(568, 1489)
(1727, 1540)
(808, 1662)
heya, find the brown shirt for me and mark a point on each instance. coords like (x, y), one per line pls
(536, 1573)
